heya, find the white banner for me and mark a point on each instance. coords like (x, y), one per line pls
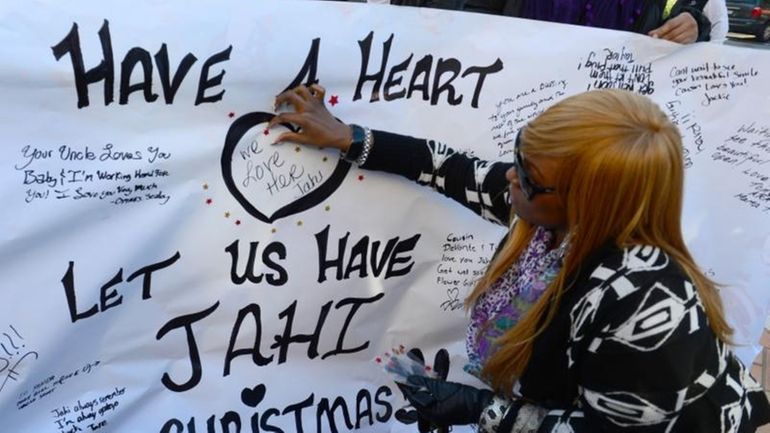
(164, 268)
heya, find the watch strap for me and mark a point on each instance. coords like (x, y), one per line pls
(360, 145)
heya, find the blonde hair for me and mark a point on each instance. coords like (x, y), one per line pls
(621, 181)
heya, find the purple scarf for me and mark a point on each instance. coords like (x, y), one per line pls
(511, 296)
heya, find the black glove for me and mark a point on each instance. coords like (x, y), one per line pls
(441, 369)
(446, 403)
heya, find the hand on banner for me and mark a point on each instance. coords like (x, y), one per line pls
(316, 124)
(682, 29)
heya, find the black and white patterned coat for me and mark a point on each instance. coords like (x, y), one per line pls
(630, 348)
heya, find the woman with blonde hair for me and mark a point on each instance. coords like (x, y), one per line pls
(592, 316)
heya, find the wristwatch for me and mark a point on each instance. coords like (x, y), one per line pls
(360, 145)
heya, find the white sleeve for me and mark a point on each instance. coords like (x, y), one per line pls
(716, 11)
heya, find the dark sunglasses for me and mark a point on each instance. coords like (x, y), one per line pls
(528, 187)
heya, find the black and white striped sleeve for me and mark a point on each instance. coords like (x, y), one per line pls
(476, 184)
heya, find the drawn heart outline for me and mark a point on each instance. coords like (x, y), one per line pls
(251, 397)
(237, 130)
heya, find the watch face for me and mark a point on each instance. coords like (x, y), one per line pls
(358, 134)
(356, 144)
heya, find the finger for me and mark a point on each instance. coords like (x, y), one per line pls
(290, 98)
(415, 381)
(654, 33)
(418, 399)
(681, 26)
(683, 23)
(294, 138)
(281, 95)
(687, 39)
(404, 387)
(438, 389)
(427, 390)
(686, 34)
(660, 32)
(663, 30)
(294, 118)
(684, 37)
(318, 91)
(441, 364)
(676, 33)
(303, 92)
(287, 136)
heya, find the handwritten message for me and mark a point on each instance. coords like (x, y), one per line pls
(617, 69)
(265, 177)
(85, 173)
(50, 384)
(711, 82)
(513, 112)
(689, 127)
(749, 150)
(14, 356)
(87, 415)
(463, 260)
(265, 167)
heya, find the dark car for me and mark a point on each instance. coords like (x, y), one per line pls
(750, 16)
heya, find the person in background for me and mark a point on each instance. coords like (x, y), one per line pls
(593, 315)
(681, 21)
(716, 12)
